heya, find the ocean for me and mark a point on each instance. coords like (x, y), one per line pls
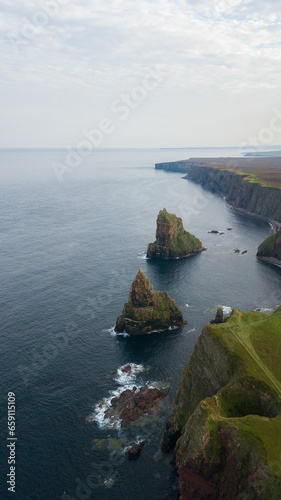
(70, 249)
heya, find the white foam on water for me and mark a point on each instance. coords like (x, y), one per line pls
(114, 334)
(266, 309)
(187, 305)
(124, 378)
(142, 256)
(101, 408)
(226, 310)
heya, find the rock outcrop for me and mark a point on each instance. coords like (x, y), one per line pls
(147, 311)
(219, 317)
(225, 422)
(172, 241)
(135, 403)
(135, 451)
(270, 249)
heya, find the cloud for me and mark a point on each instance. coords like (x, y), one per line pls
(223, 46)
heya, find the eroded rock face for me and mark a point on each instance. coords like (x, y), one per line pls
(172, 241)
(134, 403)
(147, 311)
(225, 409)
(270, 249)
(219, 317)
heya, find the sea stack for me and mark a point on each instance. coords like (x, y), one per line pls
(147, 311)
(172, 241)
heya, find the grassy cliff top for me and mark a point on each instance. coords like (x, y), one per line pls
(226, 416)
(271, 246)
(251, 401)
(264, 171)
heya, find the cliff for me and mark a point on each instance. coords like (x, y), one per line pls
(251, 185)
(147, 311)
(270, 249)
(225, 422)
(244, 195)
(172, 241)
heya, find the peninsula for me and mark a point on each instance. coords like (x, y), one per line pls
(226, 423)
(172, 241)
(270, 249)
(148, 311)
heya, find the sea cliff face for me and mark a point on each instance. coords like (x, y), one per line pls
(238, 187)
(225, 422)
(241, 194)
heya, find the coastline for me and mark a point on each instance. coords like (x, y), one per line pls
(238, 192)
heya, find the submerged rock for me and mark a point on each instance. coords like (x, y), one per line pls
(134, 403)
(172, 241)
(147, 311)
(135, 451)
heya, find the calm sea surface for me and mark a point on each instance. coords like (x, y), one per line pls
(69, 253)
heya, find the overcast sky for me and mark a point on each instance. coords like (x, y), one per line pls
(155, 73)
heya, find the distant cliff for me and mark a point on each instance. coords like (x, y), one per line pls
(225, 422)
(239, 189)
(172, 241)
(242, 194)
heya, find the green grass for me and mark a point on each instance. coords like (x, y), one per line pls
(255, 339)
(263, 171)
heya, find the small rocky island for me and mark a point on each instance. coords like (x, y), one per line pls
(270, 249)
(147, 311)
(172, 241)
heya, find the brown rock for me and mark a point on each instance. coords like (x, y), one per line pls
(135, 451)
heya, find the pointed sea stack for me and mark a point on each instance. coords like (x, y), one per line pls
(147, 311)
(172, 241)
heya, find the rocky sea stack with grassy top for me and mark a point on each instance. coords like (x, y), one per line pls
(172, 241)
(270, 249)
(226, 421)
(147, 311)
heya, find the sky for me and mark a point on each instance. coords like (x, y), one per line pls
(131, 73)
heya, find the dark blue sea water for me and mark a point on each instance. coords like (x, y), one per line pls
(69, 252)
